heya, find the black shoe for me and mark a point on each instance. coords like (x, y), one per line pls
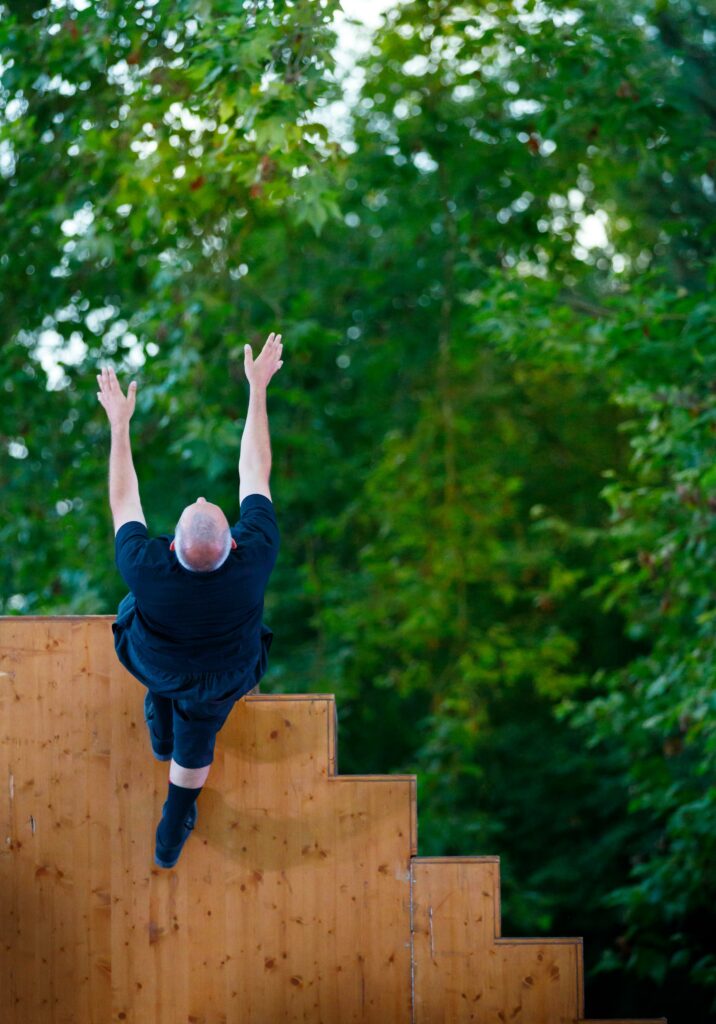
(167, 856)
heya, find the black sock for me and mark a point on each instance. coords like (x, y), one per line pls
(179, 803)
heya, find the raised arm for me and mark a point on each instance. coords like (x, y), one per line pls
(255, 455)
(123, 484)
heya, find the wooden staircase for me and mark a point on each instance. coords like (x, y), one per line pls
(300, 896)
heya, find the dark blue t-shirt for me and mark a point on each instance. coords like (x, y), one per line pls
(188, 622)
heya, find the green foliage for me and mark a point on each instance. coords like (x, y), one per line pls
(173, 139)
(493, 434)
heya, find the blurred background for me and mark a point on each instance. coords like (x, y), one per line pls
(485, 232)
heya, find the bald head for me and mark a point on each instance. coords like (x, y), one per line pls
(202, 538)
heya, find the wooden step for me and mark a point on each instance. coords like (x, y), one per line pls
(291, 900)
(298, 897)
(465, 970)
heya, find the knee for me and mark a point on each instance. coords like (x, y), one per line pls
(188, 778)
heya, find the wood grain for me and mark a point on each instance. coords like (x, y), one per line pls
(298, 897)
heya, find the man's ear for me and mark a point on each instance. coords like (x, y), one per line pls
(233, 542)
(171, 546)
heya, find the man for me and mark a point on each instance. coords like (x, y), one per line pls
(190, 629)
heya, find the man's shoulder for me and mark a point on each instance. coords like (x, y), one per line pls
(256, 502)
(134, 547)
(257, 496)
(130, 528)
(257, 520)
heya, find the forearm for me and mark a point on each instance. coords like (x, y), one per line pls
(123, 480)
(255, 442)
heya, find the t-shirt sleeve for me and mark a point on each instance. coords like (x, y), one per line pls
(129, 543)
(258, 521)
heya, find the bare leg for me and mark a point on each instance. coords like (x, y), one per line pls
(188, 778)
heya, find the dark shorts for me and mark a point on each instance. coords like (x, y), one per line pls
(193, 721)
(192, 725)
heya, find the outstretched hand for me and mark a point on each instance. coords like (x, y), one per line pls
(259, 371)
(118, 408)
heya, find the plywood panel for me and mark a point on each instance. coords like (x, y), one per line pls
(291, 901)
(298, 897)
(54, 835)
(465, 972)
